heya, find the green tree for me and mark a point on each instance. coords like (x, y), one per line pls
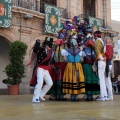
(16, 69)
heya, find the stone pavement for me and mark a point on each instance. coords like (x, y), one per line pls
(20, 107)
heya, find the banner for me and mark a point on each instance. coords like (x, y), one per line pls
(52, 18)
(96, 23)
(5, 13)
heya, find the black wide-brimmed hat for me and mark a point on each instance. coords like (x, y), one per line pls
(48, 41)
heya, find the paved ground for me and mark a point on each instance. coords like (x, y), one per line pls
(21, 108)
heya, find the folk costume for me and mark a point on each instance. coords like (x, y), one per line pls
(73, 78)
(57, 73)
(100, 57)
(109, 56)
(91, 79)
(41, 71)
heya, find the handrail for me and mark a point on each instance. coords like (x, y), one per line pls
(35, 5)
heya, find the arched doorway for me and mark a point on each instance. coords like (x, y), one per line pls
(4, 47)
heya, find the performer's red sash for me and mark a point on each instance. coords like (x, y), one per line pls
(33, 80)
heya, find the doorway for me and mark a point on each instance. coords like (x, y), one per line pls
(4, 60)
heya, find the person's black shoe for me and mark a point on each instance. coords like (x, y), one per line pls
(88, 99)
(63, 99)
(76, 100)
(72, 100)
(58, 99)
(92, 99)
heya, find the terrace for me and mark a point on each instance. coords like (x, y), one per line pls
(38, 5)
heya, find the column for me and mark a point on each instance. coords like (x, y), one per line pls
(25, 37)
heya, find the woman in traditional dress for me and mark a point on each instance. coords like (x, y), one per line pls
(73, 79)
(57, 73)
(91, 78)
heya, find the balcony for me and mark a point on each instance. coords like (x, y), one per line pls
(85, 16)
(35, 5)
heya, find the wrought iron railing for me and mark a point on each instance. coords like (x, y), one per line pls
(35, 5)
(85, 16)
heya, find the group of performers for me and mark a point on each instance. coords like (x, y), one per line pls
(78, 62)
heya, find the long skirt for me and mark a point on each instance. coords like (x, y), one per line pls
(73, 79)
(92, 86)
(57, 77)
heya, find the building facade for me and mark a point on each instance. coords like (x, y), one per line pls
(28, 21)
(116, 58)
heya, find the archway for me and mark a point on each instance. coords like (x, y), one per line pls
(4, 47)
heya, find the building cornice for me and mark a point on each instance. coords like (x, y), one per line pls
(24, 11)
(104, 30)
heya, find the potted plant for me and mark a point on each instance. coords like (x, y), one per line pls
(15, 69)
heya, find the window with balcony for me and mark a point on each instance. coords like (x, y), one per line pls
(51, 2)
(37, 5)
(89, 7)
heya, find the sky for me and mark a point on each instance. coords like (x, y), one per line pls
(115, 10)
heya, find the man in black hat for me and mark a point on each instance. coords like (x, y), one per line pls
(41, 72)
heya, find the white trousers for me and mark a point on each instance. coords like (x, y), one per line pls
(40, 90)
(101, 73)
(109, 84)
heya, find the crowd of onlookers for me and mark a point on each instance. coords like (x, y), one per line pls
(116, 85)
